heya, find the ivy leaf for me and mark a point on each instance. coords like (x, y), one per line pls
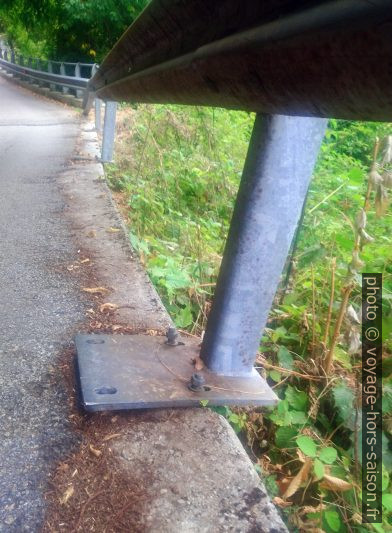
(328, 455)
(297, 399)
(307, 445)
(318, 468)
(333, 520)
(285, 358)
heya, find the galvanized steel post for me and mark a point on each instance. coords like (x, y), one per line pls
(97, 108)
(52, 86)
(109, 128)
(21, 63)
(38, 66)
(30, 65)
(63, 73)
(79, 93)
(278, 168)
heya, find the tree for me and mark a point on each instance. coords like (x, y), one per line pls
(83, 30)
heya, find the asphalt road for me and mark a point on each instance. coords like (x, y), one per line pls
(40, 305)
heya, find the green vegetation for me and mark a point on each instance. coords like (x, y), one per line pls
(176, 175)
(71, 30)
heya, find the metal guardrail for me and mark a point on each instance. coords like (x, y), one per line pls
(68, 79)
(295, 63)
(21, 66)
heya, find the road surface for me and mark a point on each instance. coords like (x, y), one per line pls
(40, 306)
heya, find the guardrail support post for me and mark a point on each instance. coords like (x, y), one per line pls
(52, 86)
(109, 128)
(278, 168)
(63, 73)
(38, 66)
(97, 108)
(30, 65)
(79, 93)
(21, 63)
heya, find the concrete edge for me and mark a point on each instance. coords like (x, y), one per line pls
(197, 476)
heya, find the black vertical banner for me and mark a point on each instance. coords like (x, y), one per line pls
(371, 398)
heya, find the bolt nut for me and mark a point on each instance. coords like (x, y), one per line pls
(172, 337)
(196, 383)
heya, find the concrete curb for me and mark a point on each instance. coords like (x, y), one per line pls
(198, 477)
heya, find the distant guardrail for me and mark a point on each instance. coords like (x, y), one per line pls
(69, 79)
(55, 74)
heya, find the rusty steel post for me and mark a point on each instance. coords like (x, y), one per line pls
(278, 168)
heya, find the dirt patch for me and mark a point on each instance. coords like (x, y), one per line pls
(89, 490)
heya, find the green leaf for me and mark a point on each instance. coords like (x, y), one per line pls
(384, 479)
(307, 445)
(387, 502)
(333, 520)
(297, 399)
(378, 527)
(355, 175)
(328, 455)
(387, 455)
(281, 414)
(343, 357)
(387, 399)
(183, 318)
(318, 468)
(275, 376)
(204, 403)
(285, 358)
(344, 398)
(297, 417)
(344, 243)
(312, 254)
(177, 279)
(278, 333)
(284, 437)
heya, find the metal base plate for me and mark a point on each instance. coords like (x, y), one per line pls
(140, 371)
